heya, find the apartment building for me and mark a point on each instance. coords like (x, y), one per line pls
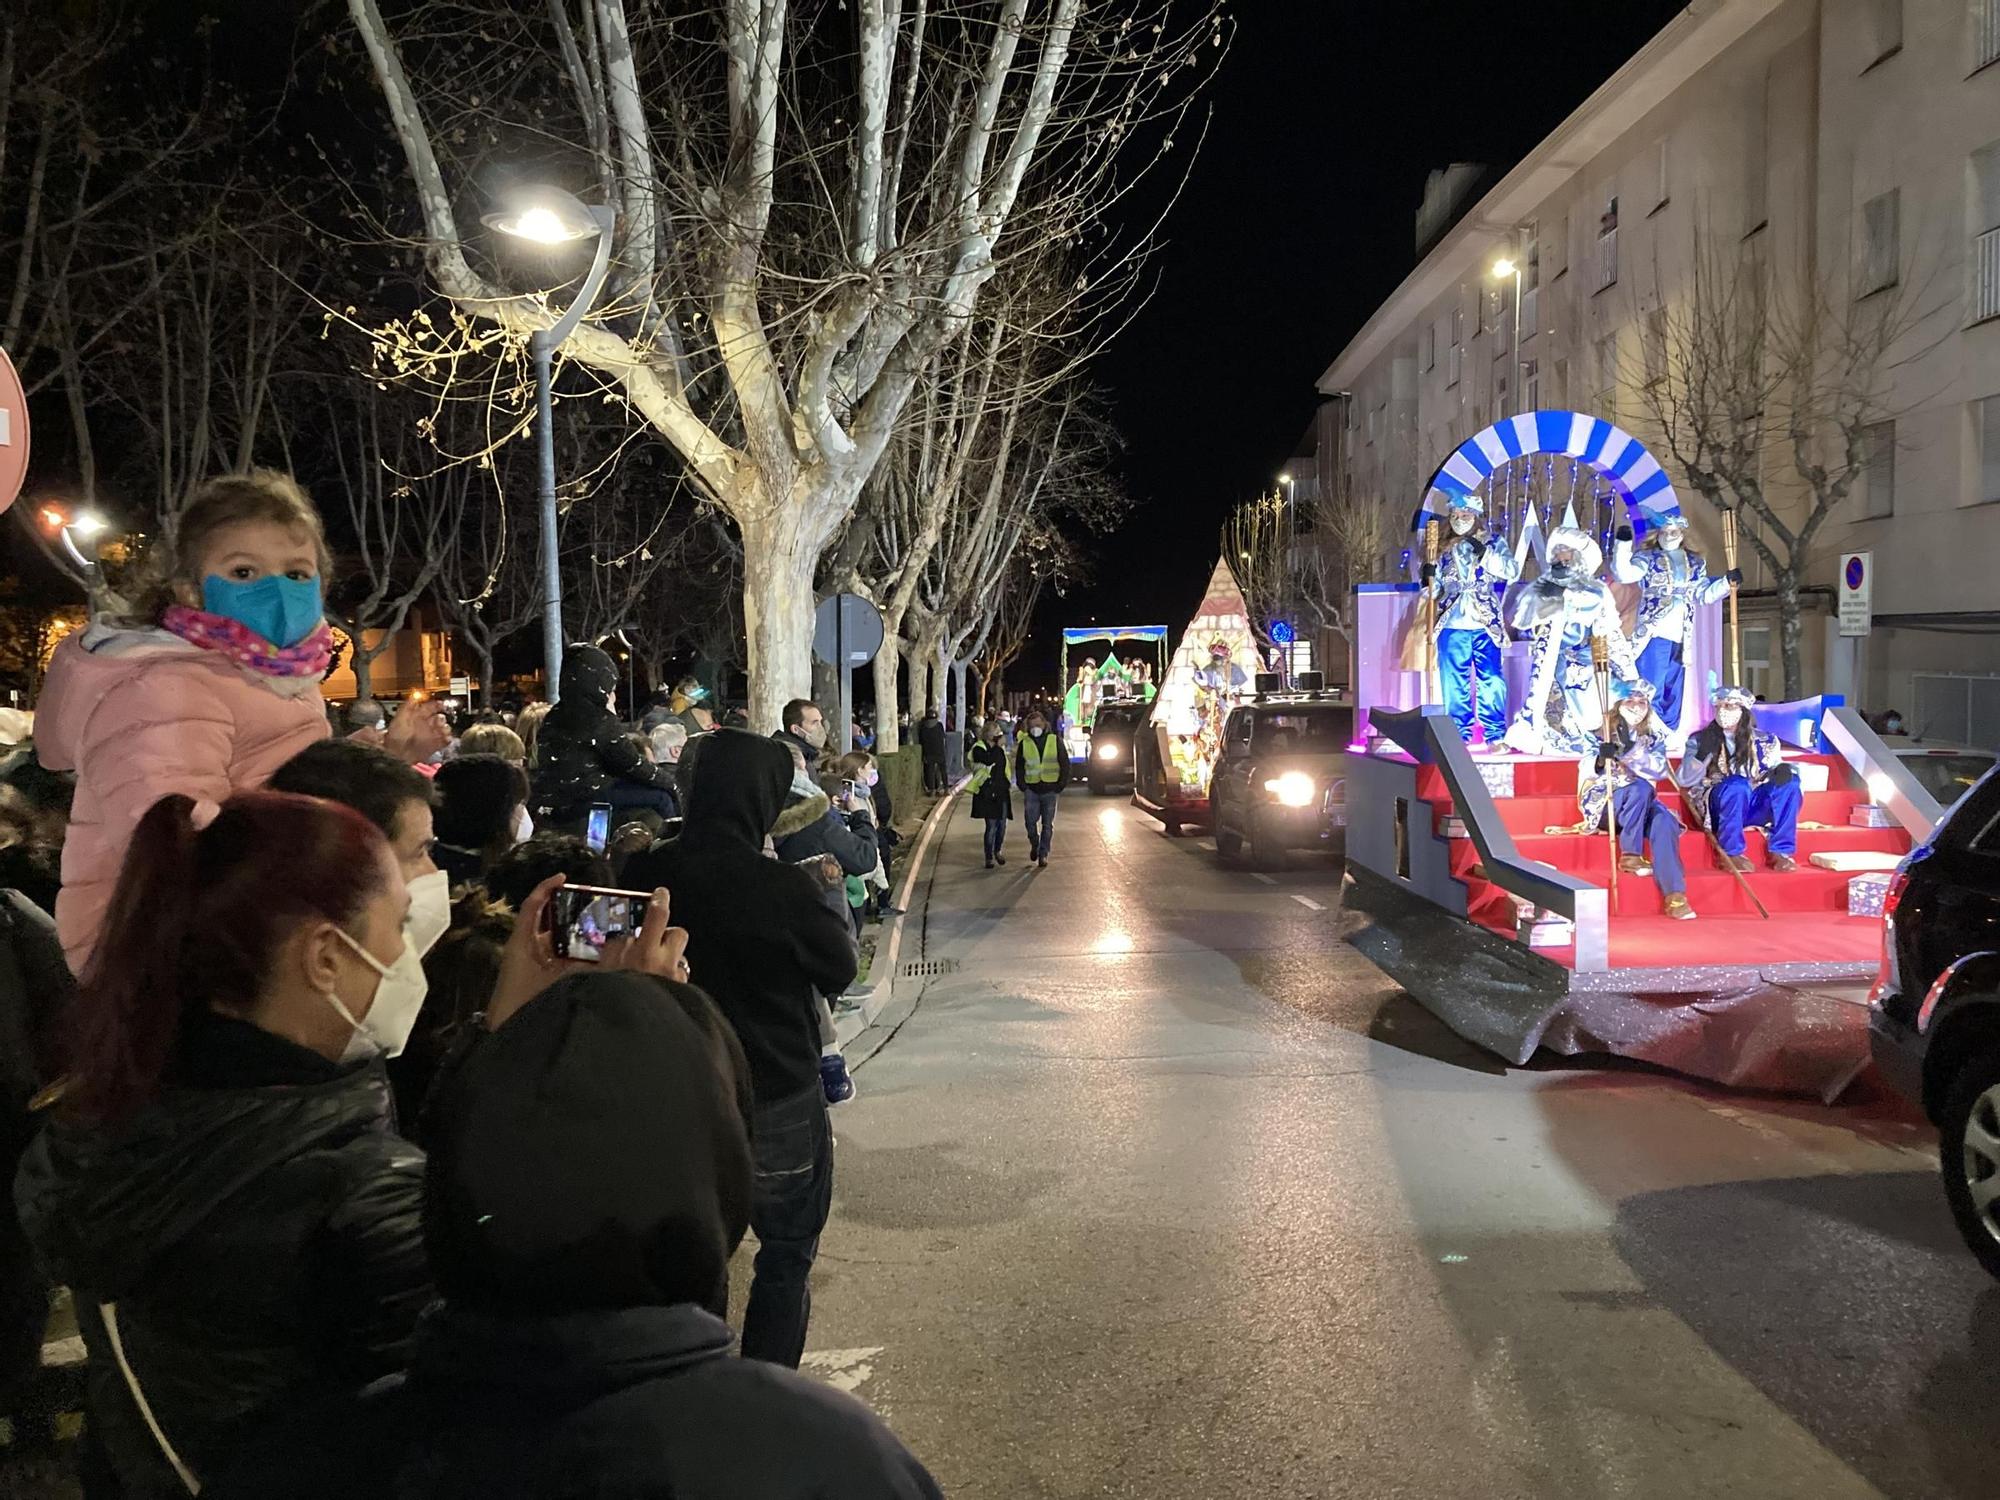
(1844, 150)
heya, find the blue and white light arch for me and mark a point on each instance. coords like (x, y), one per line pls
(1603, 446)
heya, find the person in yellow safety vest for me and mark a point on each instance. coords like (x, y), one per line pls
(1041, 771)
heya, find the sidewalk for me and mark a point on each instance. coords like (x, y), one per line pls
(917, 868)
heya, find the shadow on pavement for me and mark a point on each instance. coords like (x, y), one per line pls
(1405, 1025)
(1851, 1304)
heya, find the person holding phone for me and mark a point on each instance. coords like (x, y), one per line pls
(585, 755)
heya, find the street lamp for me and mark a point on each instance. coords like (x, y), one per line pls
(1504, 267)
(85, 526)
(545, 215)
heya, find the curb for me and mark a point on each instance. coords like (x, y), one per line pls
(888, 952)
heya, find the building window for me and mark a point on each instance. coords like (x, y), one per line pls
(1531, 386)
(1430, 346)
(1882, 37)
(1559, 248)
(1881, 247)
(1607, 243)
(1985, 33)
(1662, 181)
(1986, 443)
(1559, 385)
(1607, 368)
(1878, 475)
(1757, 154)
(1653, 339)
(1455, 363)
(1985, 297)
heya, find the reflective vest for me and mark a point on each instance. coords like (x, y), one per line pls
(1040, 761)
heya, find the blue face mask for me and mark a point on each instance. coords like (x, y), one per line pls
(695, 694)
(284, 611)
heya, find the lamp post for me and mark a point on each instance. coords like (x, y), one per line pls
(550, 216)
(85, 526)
(1506, 266)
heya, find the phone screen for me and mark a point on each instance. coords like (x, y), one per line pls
(588, 917)
(597, 833)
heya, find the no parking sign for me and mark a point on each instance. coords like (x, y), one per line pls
(1856, 592)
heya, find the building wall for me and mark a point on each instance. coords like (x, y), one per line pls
(1759, 159)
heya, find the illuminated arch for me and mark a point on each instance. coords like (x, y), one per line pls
(1603, 446)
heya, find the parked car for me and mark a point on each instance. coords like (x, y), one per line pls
(1934, 1013)
(1111, 735)
(1281, 783)
(1945, 770)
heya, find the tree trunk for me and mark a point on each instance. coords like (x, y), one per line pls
(1789, 631)
(363, 663)
(826, 693)
(888, 738)
(778, 564)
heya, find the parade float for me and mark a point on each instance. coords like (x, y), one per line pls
(1212, 671)
(1133, 679)
(1486, 872)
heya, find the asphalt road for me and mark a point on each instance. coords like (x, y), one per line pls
(1161, 1191)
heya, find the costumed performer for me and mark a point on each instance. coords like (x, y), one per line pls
(1218, 687)
(1625, 770)
(1734, 777)
(1673, 582)
(1561, 611)
(1467, 608)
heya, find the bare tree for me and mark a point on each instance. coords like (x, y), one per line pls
(490, 573)
(1762, 389)
(807, 213)
(1299, 560)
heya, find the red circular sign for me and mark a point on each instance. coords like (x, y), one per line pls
(13, 433)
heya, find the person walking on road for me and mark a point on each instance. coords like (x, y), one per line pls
(1041, 770)
(992, 798)
(763, 941)
(930, 739)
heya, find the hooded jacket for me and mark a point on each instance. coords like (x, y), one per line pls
(809, 825)
(139, 714)
(590, 1177)
(581, 751)
(257, 1227)
(760, 940)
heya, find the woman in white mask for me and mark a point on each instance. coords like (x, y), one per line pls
(219, 1182)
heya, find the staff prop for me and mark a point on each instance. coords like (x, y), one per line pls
(1433, 687)
(1735, 620)
(1600, 664)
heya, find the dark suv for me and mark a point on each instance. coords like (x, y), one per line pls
(1281, 783)
(1111, 735)
(1934, 1014)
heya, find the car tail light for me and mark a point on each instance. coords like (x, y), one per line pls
(1894, 895)
(1885, 970)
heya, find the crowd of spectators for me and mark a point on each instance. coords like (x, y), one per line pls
(359, 1183)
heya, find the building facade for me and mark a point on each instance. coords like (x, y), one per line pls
(1782, 155)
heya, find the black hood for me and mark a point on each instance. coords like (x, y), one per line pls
(587, 672)
(733, 786)
(592, 1154)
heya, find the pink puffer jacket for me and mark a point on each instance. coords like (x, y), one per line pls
(140, 714)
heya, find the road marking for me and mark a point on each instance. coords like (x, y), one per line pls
(1307, 901)
(1267, 879)
(843, 1369)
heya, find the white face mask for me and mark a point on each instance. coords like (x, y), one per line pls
(524, 826)
(1462, 522)
(1671, 539)
(430, 911)
(399, 996)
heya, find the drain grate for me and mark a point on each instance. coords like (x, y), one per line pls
(929, 968)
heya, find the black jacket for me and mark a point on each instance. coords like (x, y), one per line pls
(1021, 760)
(581, 751)
(760, 939)
(993, 799)
(885, 815)
(930, 737)
(257, 1228)
(806, 747)
(590, 1180)
(802, 832)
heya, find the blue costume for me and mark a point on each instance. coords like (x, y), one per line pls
(1738, 780)
(1561, 612)
(1673, 583)
(1633, 760)
(1470, 635)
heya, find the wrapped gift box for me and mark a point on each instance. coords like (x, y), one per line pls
(1868, 815)
(1856, 861)
(1865, 893)
(1498, 776)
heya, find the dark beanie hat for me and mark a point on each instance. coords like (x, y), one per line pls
(593, 1153)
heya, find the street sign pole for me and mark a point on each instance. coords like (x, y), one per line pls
(846, 681)
(847, 632)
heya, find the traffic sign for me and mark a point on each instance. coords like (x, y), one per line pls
(13, 432)
(1856, 592)
(847, 631)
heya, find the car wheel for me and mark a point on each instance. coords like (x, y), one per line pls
(1969, 1155)
(1228, 846)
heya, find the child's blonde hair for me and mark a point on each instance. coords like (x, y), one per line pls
(228, 500)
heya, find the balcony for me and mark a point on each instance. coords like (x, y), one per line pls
(1985, 277)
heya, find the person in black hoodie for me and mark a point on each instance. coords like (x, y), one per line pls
(582, 754)
(761, 940)
(590, 1176)
(930, 739)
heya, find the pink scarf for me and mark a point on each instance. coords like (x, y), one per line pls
(242, 645)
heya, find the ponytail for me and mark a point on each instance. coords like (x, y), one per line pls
(128, 1010)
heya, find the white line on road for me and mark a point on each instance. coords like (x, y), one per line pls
(1307, 901)
(1267, 879)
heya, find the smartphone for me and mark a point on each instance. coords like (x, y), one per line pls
(597, 832)
(586, 917)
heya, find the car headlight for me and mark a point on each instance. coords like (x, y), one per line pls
(1107, 752)
(1293, 789)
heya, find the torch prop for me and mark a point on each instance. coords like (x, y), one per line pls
(1735, 619)
(1433, 688)
(1600, 664)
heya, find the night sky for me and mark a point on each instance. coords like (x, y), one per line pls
(1298, 221)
